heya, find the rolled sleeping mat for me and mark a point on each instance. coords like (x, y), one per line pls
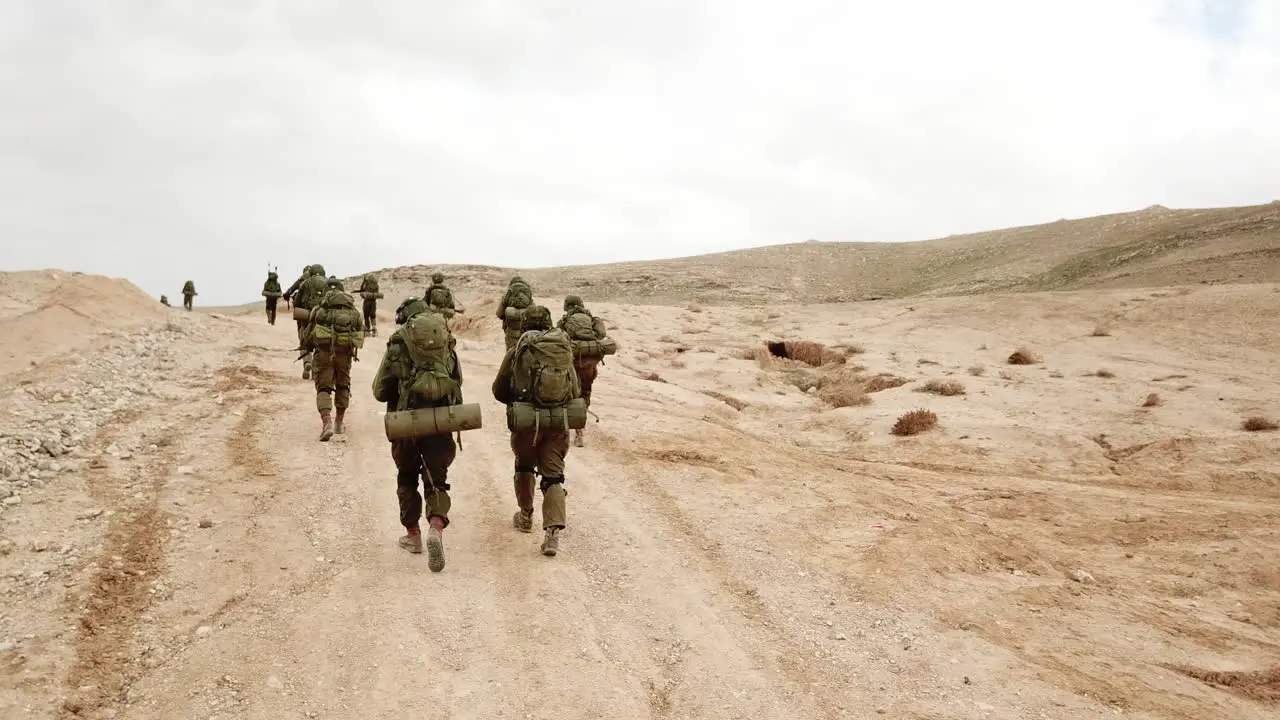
(423, 422)
(301, 314)
(371, 295)
(524, 417)
(513, 315)
(271, 293)
(595, 348)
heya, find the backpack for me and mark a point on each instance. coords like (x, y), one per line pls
(580, 325)
(519, 295)
(429, 344)
(542, 371)
(439, 296)
(338, 323)
(189, 288)
(369, 284)
(311, 292)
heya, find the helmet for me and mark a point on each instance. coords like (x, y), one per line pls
(437, 278)
(515, 279)
(572, 301)
(318, 269)
(334, 283)
(536, 317)
(272, 276)
(407, 309)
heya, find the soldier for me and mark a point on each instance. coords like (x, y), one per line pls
(188, 292)
(539, 370)
(579, 324)
(519, 295)
(306, 293)
(439, 297)
(271, 291)
(369, 291)
(397, 383)
(335, 333)
(164, 300)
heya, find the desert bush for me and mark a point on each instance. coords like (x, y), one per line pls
(1104, 373)
(914, 422)
(847, 393)
(669, 340)
(1024, 356)
(729, 400)
(1006, 375)
(884, 381)
(694, 308)
(942, 387)
(977, 370)
(465, 325)
(805, 351)
(652, 377)
(677, 362)
(1152, 400)
(1102, 329)
(1258, 423)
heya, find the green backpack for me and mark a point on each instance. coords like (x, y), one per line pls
(519, 295)
(311, 292)
(188, 288)
(338, 323)
(369, 284)
(439, 296)
(542, 372)
(582, 325)
(430, 345)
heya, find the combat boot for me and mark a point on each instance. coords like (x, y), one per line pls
(326, 431)
(522, 521)
(577, 438)
(411, 540)
(337, 422)
(524, 485)
(551, 542)
(306, 372)
(435, 545)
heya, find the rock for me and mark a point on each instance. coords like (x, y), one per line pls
(186, 470)
(89, 514)
(1082, 577)
(7, 646)
(13, 500)
(45, 464)
(5, 491)
(205, 523)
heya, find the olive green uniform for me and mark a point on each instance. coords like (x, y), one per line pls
(306, 294)
(331, 364)
(369, 306)
(188, 292)
(512, 330)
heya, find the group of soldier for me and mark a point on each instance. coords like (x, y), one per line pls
(421, 369)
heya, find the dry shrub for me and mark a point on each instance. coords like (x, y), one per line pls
(942, 387)
(977, 370)
(694, 308)
(805, 351)
(1257, 423)
(465, 325)
(849, 348)
(745, 353)
(1006, 375)
(729, 400)
(652, 377)
(677, 362)
(914, 422)
(884, 381)
(844, 394)
(1152, 400)
(669, 340)
(1104, 373)
(1262, 685)
(1024, 356)
(1102, 329)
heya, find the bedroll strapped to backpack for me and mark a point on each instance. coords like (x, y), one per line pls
(338, 323)
(519, 295)
(430, 346)
(542, 372)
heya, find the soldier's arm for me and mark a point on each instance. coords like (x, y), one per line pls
(293, 288)
(502, 383)
(386, 385)
(502, 304)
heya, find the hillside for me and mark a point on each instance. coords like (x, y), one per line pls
(1154, 247)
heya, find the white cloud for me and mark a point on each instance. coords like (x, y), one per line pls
(193, 139)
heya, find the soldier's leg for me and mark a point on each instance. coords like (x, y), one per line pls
(342, 388)
(271, 310)
(306, 359)
(552, 447)
(408, 467)
(586, 378)
(438, 453)
(525, 480)
(323, 368)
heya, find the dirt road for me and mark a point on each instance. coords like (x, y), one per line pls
(212, 559)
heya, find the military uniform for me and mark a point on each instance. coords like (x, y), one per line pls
(586, 367)
(537, 452)
(305, 293)
(439, 297)
(369, 293)
(427, 457)
(512, 328)
(332, 361)
(271, 291)
(188, 292)
(164, 300)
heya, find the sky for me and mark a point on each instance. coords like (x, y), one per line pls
(170, 140)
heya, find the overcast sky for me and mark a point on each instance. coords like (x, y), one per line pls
(200, 139)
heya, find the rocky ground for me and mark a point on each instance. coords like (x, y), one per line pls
(747, 538)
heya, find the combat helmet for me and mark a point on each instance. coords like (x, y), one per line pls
(318, 269)
(572, 301)
(437, 278)
(334, 283)
(410, 307)
(536, 317)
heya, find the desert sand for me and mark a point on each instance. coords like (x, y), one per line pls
(1091, 534)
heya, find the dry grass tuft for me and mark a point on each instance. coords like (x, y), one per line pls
(652, 377)
(1258, 423)
(805, 351)
(1104, 373)
(1153, 400)
(914, 422)
(977, 370)
(1024, 356)
(947, 388)
(1101, 330)
(884, 381)
(464, 325)
(694, 308)
(845, 387)
(729, 400)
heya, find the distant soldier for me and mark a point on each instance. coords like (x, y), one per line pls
(439, 297)
(271, 291)
(306, 293)
(164, 300)
(188, 292)
(538, 370)
(370, 293)
(420, 369)
(580, 325)
(335, 333)
(518, 297)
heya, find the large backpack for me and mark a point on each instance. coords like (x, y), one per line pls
(439, 296)
(188, 288)
(430, 346)
(369, 284)
(542, 372)
(311, 292)
(338, 323)
(580, 325)
(519, 295)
